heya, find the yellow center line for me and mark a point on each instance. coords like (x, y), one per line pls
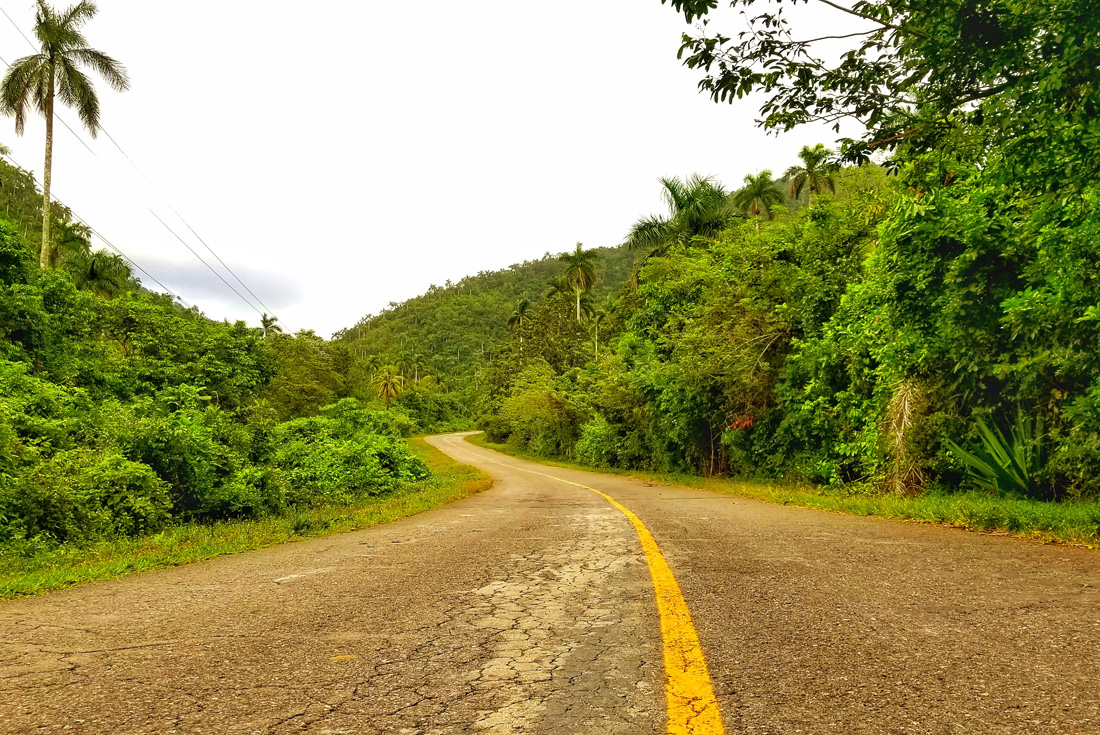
(692, 708)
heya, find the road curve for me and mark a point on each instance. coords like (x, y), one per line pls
(530, 609)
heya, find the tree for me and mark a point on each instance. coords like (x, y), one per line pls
(913, 71)
(389, 384)
(600, 315)
(697, 207)
(41, 78)
(270, 324)
(521, 317)
(104, 274)
(815, 173)
(580, 272)
(760, 196)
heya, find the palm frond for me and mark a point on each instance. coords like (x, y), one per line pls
(75, 90)
(647, 232)
(113, 72)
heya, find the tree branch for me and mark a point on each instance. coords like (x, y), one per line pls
(882, 23)
(825, 38)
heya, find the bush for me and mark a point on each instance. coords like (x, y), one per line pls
(346, 453)
(598, 445)
(77, 497)
(251, 492)
(124, 498)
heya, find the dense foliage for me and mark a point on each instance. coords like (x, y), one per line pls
(120, 416)
(931, 329)
(449, 331)
(885, 336)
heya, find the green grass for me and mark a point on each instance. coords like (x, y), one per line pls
(1071, 522)
(31, 570)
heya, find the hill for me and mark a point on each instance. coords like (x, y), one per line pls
(450, 329)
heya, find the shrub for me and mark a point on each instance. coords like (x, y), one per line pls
(598, 445)
(346, 453)
(251, 492)
(78, 497)
(1005, 466)
(124, 498)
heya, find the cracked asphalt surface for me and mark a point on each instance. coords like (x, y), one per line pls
(528, 609)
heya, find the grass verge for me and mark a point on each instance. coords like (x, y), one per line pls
(33, 570)
(1075, 523)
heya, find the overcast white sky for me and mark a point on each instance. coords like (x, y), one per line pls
(342, 155)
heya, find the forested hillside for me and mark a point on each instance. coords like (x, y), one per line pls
(123, 413)
(450, 330)
(931, 331)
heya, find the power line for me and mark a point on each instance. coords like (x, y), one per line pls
(165, 199)
(219, 275)
(187, 224)
(109, 244)
(21, 33)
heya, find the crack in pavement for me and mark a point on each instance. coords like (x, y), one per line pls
(547, 642)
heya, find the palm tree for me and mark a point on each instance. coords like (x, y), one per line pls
(38, 80)
(697, 207)
(389, 385)
(760, 196)
(522, 315)
(815, 173)
(600, 315)
(104, 274)
(72, 237)
(270, 324)
(579, 273)
(404, 364)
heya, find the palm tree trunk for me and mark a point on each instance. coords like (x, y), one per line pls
(578, 306)
(44, 257)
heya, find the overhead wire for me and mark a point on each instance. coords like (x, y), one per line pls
(187, 224)
(201, 260)
(130, 261)
(267, 309)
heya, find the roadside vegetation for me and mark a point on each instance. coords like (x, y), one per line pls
(1076, 523)
(56, 566)
(912, 313)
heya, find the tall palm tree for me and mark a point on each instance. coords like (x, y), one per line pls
(580, 272)
(815, 173)
(389, 385)
(600, 315)
(760, 196)
(697, 207)
(40, 79)
(521, 317)
(270, 324)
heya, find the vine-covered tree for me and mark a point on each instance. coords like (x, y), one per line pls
(1025, 71)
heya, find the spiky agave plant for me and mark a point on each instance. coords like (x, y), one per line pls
(1005, 465)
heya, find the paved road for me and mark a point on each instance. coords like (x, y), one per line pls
(529, 609)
